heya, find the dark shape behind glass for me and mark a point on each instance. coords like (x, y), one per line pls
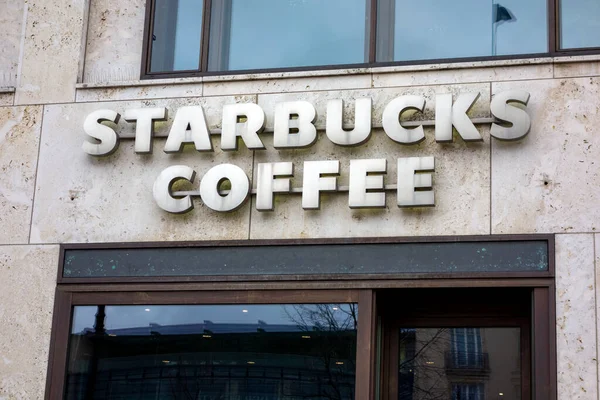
(213, 352)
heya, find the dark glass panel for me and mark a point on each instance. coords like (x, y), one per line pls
(176, 35)
(384, 258)
(466, 363)
(580, 23)
(432, 29)
(259, 34)
(221, 352)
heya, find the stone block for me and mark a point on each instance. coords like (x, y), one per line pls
(548, 182)
(11, 21)
(447, 74)
(19, 141)
(576, 317)
(28, 276)
(81, 198)
(380, 98)
(52, 49)
(460, 181)
(577, 68)
(273, 83)
(115, 92)
(114, 41)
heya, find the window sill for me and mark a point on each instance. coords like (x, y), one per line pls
(7, 89)
(349, 78)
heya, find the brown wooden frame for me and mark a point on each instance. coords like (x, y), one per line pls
(307, 289)
(334, 280)
(553, 40)
(506, 317)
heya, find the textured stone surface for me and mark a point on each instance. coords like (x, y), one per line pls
(52, 48)
(114, 41)
(19, 140)
(548, 182)
(219, 86)
(575, 69)
(11, 21)
(576, 317)
(380, 98)
(462, 75)
(461, 184)
(7, 99)
(28, 276)
(460, 208)
(80, 198)
(139, 92)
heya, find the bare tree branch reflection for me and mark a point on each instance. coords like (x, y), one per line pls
(331, 322)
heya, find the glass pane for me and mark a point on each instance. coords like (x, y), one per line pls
(217, 352)
(580, 23)
(467, 363)
(434, 29)
(257, 34)
(176, 36)
(383, 258)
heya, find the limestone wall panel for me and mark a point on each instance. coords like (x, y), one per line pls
(52, 51)
(81, 198)
(19, 141)
(114, 41)
(548, 182)
(28, 276)
(576, 317)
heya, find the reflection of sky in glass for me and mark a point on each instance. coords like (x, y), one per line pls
(445, 29)
(580, 23)
(307, 315)
(288, 33)
(187, 37)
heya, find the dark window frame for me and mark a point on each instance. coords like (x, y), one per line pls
(308, 289)
(553, 41)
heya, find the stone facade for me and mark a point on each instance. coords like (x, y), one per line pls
(62, 60)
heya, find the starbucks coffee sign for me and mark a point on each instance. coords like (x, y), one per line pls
(294, 127)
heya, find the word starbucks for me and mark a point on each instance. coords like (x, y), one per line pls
(294, 127)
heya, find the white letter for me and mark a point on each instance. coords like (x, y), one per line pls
(505, 112)
(362, 122)
(144, 128)
(361, 181)
(209, 187)
(269, 181)
(162, 189)
(391, 119)
(247, 130)
(408, 181)
(192, 117)
(448, 115)
(314, 183)
(306, 133)
(109, 140)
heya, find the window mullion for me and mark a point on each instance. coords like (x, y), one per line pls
(553, 26)
(205, 40)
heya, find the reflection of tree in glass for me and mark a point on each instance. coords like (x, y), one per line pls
(327, 326)
(422, 374)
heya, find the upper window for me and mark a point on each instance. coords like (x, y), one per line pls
(207, 36)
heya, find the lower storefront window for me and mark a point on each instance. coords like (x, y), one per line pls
(242, 351)
(437, 320)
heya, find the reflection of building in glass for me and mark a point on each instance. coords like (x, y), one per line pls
(459, 363)
(213, 361)
(466, 348)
